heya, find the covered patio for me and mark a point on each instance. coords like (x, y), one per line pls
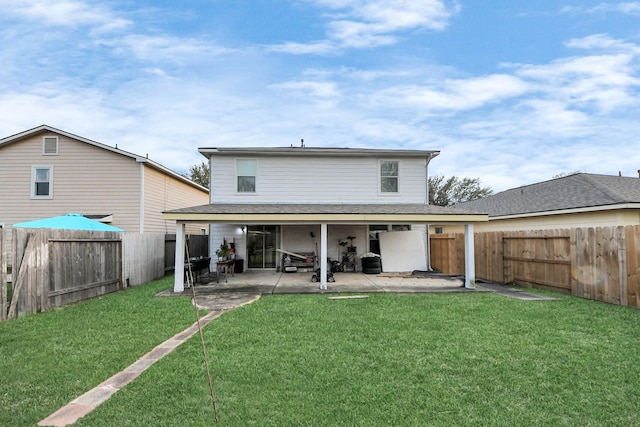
(273, 282)
(324, 215)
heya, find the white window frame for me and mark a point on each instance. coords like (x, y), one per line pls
(255, 177)
(381, 177)
(44, 145)
(33, 182)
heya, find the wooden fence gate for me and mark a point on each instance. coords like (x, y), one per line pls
(57, 267)
(601, 263)
(51, 268)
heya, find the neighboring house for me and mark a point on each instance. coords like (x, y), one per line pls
(320, 200)
(579, 200)
(46, 172)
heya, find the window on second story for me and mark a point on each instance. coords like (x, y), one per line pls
(389, 173)
(246, 173)
(50, 145)
(42, 182)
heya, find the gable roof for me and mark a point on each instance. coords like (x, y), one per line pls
(576, 193)
(140, 159)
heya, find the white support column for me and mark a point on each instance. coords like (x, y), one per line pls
(178, 284)
(428, 248)
(323, 256)
(469, 258)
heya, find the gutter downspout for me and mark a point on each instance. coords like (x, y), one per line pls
(141, 219)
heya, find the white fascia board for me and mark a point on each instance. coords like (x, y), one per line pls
(310, 151)
(569, 211)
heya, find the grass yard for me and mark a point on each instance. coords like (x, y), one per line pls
(434, 359)
(49, 359)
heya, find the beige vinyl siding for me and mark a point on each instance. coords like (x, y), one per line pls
(163, 192)
(86, 180)
(318, 180)
(548, 222)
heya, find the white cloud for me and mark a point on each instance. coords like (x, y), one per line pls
(324, 94)
(454, 94)
(602, 41)
(316, 48)
(164, 48)
(606, 81)
(371, 23)
(630, 8)
(66, 13)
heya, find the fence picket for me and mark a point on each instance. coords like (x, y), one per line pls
(599, 263)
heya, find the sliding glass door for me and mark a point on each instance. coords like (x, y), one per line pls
(262, 242)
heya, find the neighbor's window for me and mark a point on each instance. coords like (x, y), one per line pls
(246, 172)
(42, 182)
(438, 230)
(50, 145)
(389, 176)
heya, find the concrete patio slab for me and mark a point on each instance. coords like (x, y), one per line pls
(272, 282)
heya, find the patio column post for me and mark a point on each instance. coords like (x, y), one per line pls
(469, 258)
(323, 256)
(178, 284)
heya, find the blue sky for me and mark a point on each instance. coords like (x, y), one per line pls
(511, 92)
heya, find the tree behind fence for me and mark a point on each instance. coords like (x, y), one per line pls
(601, 263)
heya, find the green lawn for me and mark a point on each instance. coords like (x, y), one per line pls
(434, 359)
(49, 359)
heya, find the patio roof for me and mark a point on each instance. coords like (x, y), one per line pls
(325, 213)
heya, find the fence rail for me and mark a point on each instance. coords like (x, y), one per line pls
(601, 263)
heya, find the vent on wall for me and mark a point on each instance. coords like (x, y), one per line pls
(50, 145)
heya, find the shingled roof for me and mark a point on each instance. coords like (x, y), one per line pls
(578, 191)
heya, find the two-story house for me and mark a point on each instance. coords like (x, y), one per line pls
(273, 201)
(47, 172)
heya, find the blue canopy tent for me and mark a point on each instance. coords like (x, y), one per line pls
(72, 221)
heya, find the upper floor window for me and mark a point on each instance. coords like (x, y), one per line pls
(389, 172)
(50, 145)
(246, 173)
(42, 182)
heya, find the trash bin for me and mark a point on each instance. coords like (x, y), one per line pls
(239, 266)
(372, 265)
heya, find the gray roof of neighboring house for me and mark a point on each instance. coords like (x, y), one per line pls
(578, 191)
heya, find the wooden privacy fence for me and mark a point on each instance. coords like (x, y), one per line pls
(51, 268)
(198, 245)
(143, 258)
(600, 263)
(56, 267)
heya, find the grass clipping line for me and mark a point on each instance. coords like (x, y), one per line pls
(204, 349)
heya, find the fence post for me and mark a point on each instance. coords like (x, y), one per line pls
(3, 276)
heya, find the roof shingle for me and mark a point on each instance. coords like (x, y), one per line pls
(580, 190)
